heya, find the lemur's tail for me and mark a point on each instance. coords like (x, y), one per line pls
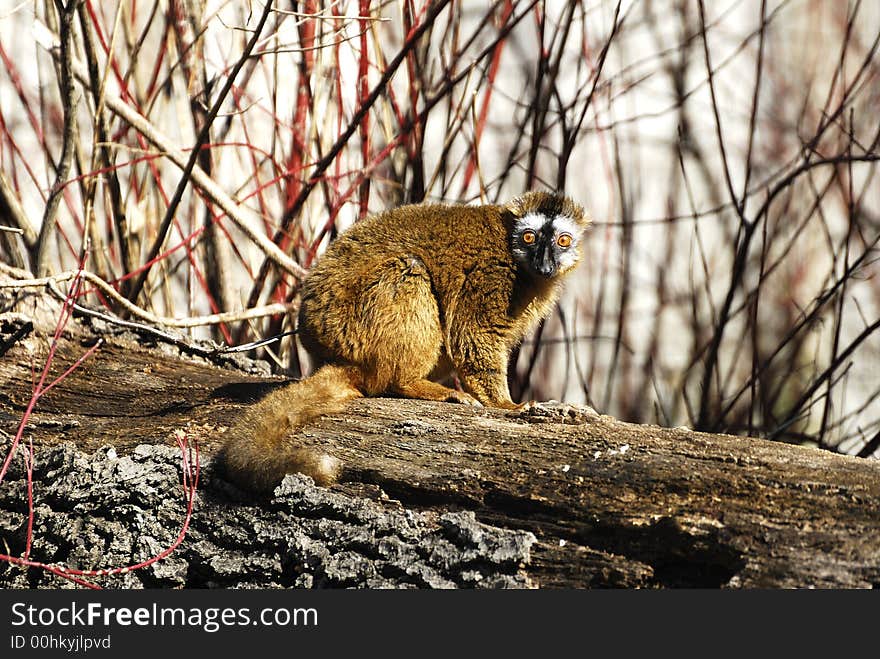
(262, 445)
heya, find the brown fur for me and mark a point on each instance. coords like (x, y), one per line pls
(393, 303)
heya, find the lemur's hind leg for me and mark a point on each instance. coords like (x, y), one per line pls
(386, 324)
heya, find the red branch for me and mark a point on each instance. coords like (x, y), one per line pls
(487, 97)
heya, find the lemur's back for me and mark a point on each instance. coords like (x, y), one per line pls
(407, 263)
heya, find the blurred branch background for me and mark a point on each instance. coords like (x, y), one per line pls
(197, 157)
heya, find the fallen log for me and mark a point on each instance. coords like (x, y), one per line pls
(555, 496)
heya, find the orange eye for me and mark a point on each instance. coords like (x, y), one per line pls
(528, 237)
(564, 240)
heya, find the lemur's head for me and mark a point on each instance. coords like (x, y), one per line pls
(546, 233)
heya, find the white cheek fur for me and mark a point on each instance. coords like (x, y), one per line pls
(563, 224)
(568, 259)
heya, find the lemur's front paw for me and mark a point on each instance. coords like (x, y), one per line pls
(463, 399)
(552, 411)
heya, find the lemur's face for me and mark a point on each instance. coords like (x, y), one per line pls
(546, 236)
